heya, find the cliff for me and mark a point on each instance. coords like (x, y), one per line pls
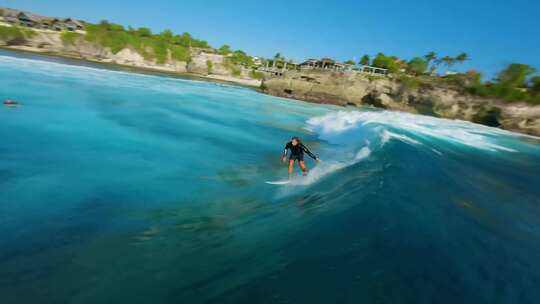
(203, 62)
(430, 96)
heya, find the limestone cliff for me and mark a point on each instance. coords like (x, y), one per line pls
(436, 98)
(203, 62)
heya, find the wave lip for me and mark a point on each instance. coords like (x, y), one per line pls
(351, 126)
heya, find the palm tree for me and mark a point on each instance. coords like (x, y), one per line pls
(462, 57)
(364, 60)
(448, 61)
(430, 57)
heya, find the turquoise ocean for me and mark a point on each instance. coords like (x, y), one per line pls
(122, 187)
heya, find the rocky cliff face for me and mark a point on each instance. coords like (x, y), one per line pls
(441, 100)
(51, 42)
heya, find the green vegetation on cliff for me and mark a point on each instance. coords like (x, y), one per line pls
(240, 57)
(256, 75)
(13, 34)
(69, 38)
(209, 66)
(513, 84)
(150, 46)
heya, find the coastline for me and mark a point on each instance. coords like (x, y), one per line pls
(518, 117)
(247, 83)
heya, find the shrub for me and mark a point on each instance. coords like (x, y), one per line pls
(180, 53)
(515, 75)
(69, 38)
(9, 34)
(236, 71)
(224, 50)
(240, 57)
(256, 75)
(417, 66)
(409, 82)
(386, 62)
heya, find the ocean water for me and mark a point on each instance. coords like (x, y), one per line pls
(118, 187)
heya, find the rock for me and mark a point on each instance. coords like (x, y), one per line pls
(430, 99)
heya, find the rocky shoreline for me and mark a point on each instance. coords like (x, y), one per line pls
(436, 99)
(339, 88)
(48, 42)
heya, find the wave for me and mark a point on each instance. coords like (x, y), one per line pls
(354, 136)
(342, 126)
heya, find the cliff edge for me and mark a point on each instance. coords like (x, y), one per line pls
(431, 97)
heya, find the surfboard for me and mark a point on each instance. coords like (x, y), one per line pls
(281, 182)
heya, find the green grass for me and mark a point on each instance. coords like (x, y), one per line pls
(13, 33)
(69, 38)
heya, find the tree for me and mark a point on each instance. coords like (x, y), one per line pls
(364, 60)
(225, 49)
(474, 77)
(515, 75)
(429, 57)
(144, 32)
(185, 39)
(166, 35)
(417, 66)
(351, 62)
(240, 57)
(448, 61)
(535, 84)
(462, 57)
(386, 62)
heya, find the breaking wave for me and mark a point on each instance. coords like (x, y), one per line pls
(355, 136)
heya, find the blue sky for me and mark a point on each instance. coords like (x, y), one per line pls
(493, 32)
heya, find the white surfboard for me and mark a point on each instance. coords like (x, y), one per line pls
(281, 182)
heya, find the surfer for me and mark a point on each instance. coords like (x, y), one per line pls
(10, 103)
(297, 154)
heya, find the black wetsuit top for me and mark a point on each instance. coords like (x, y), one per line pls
(297, 152)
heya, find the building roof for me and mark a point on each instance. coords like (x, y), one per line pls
(74, 21)
(30, 16)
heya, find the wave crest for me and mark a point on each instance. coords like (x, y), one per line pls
(343, 126)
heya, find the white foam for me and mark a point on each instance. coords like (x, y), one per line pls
(387, 135)
(106, 77)
(337, 124)
(327, 167)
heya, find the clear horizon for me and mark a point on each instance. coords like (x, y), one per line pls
(493, 33)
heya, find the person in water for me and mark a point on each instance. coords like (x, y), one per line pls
(10, 103)
(297, 154)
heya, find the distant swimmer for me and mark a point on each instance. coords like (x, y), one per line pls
(297, 154)
(10, 103)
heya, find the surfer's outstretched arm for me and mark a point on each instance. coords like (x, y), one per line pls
(315, 157)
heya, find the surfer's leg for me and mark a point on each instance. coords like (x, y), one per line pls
(302, 165)
(291, 165)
